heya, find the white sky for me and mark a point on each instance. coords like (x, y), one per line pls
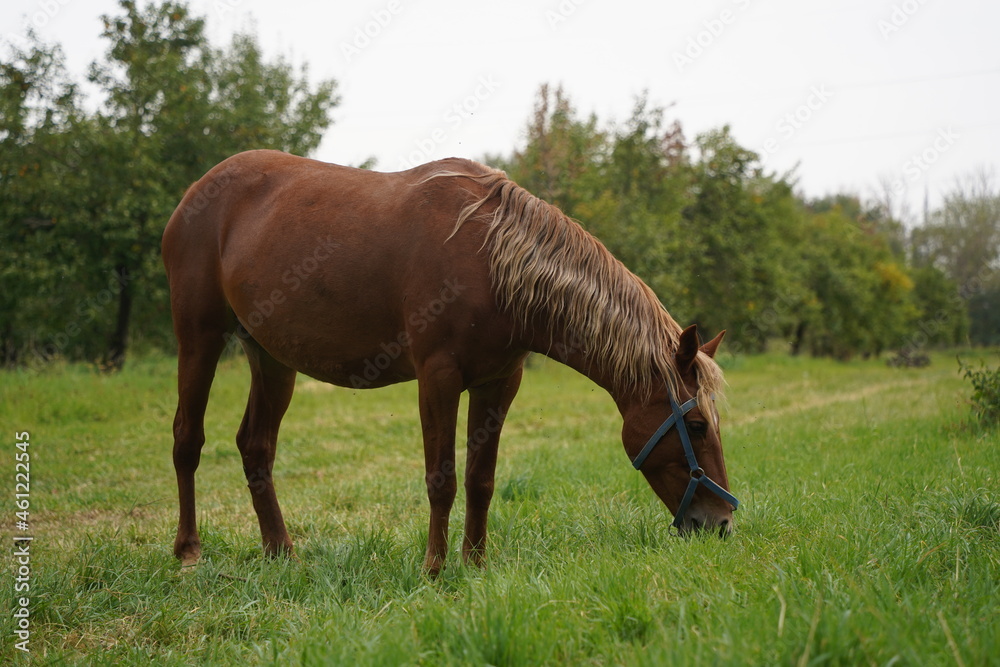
(906, 91)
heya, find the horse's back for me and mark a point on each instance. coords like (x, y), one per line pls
(256, 195)
(328, 266)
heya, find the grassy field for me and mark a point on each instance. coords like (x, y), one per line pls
(869, 534)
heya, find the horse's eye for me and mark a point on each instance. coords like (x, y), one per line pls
(697, 427)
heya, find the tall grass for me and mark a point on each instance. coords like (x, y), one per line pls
(869, 534)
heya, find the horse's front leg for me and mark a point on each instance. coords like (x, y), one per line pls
(440, 388)
(488, 405)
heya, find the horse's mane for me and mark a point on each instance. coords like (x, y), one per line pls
(542, 263)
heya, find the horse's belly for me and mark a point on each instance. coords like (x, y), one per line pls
(377, 370)
(342, 348)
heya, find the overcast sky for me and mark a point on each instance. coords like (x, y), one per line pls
(847, 93)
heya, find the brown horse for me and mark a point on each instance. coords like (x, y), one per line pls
(449, 274)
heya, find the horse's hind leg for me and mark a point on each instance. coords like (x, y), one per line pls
(271, 390)
(199, 349)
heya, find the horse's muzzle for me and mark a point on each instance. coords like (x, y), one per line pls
(695, 525)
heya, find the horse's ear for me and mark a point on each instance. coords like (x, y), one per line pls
(712, 346)
(687, 350)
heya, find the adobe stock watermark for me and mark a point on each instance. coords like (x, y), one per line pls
(560, 13)
(571, 345)
(794, 120)
(919, 163)
(39, 17)
(225, 7)
(215, 187)
(418, 321)
(364, 35)
(22, 541)
(900, 14)
(258, 480)
(479, 437)
(293, 278)
(927, 329)
(457, 114)
(764, 324)
(711, 30)
(151, 425)
(86, 311)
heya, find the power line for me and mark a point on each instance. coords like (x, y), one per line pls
(749, 94)
(897, 135)
(919, 79)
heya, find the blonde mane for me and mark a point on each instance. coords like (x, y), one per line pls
(543, 264)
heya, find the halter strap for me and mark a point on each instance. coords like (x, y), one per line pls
(662, 431)
(698, 476)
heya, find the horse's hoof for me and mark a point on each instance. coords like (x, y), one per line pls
(189, 563)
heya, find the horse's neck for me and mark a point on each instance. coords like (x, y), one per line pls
(557, 343)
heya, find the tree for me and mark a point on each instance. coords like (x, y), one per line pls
(41, 124)
(562, 154)
(738, 255)
(962, 238)
(860, 292)
(984, 311)
(942, 316)
(173, 107)
(962, 241)
(625, 184)
(724, 244)
(640, 195)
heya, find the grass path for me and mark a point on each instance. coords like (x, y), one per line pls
(853, 396)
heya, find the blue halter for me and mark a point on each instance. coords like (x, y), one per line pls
(698, 475)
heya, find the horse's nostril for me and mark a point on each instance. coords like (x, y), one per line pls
(695, 524)
(725, 527)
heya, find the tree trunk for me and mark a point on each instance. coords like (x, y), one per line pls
(799, 338)
(8, 349)
(119, 337)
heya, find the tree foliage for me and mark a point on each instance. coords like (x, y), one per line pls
(727, 245)
(87, 194)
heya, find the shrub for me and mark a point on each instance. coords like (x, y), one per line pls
(985, 391)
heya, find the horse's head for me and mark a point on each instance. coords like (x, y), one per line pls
(674, 440)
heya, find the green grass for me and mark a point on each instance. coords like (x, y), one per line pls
(869, 532)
